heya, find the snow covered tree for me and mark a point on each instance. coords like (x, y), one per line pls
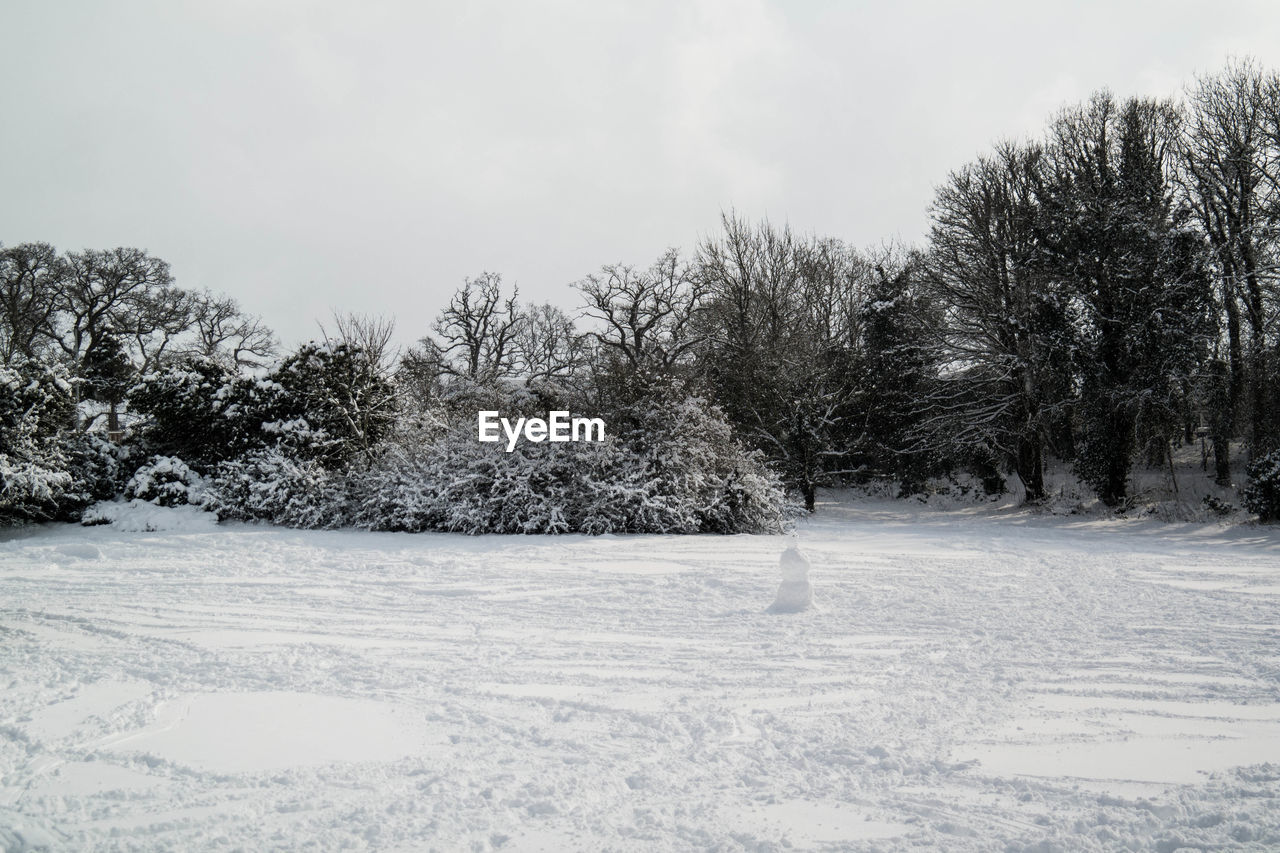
(327, 404)
(334, 403)
(1002, 329)
(200, 411)
(1213, 390)
(107, 374)
(896, 365)
(1113, 237)
(1262, 494)
(781, 329)
(1231, 179)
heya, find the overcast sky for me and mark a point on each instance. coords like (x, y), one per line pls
(306, 157)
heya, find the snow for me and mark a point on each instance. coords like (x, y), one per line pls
(139, 516)
(268, 730)
(974, 679)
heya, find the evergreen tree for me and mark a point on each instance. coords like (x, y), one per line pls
(107, 374)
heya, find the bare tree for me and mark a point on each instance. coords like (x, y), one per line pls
(30, 284)
(1231, 178)
(223, 332)
(419, 375)
(753, 278)
(476, 334)
(157, 318)
(647, 316)
(371, 334)
(1002, 336)
(106, 290)
(550, 346)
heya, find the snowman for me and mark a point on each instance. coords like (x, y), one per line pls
(795, 593)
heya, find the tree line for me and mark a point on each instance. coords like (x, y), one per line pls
(1096, 295)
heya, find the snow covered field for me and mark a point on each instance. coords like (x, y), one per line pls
(968, 680)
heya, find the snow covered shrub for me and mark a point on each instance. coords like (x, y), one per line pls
(1217, 506)
(397, 493)
(452, 482)
(97, 468)
(674, 468)
(199, 411)
(36, 408)
(334, 404)
(273, 486)
(31, 490)
(323, 403)
(534, 490)
(686, 473)
(1262, 494)
(165, 481)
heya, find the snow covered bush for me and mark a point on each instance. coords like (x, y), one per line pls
(325, 403)
(1262, 494)
(674, 468)
(396, 494)
(309, 445)
(334, 403)
(165, 481)
(454, 483)
(97, 469)
(199, 411)
(274, 447)
(684, 472)
(36, 408)
(273, 486)
(30, 490)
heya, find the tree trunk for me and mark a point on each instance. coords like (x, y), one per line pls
(1235, 356)
(1259, 422)
(1031, 468)
(1221, 460)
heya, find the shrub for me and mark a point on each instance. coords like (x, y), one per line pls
(36, 408)
(673, 468)
(670, 463)
(97, 468)
(272, 486)
(328, 404)
(198, 411)
(165, 481)
(1262, 494)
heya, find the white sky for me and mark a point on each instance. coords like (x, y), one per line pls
(304, 157)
